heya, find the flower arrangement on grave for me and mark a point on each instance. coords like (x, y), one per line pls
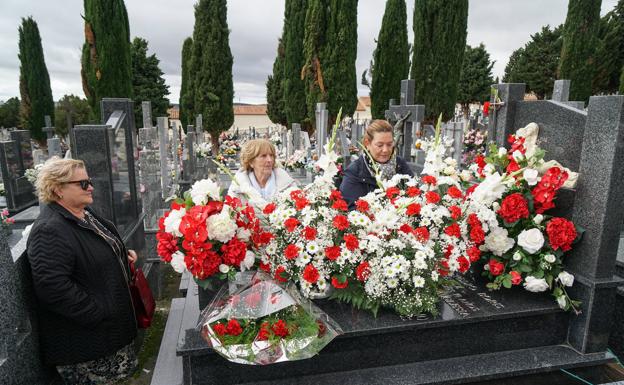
(474, 144)
(229, 147)
(31, 173)
(263, 322)
(519, 243)
(211, 236)
(203, 150)
(296, 161)
(2, 190)
(7, 222)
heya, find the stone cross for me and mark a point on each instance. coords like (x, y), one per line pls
(561, 90)
(174, 150)
(322, 120)
(146, 107)
(401, 111)
(49, 130)
(48, 120)
(455, 130)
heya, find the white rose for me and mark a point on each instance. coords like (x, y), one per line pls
(561, 300)
(535, 285)
(550, 258)
(538, 219)
(202, 189)
(565, 278)
(531, 176)
(177, 262)
(220, 226)
(498, 242)
(502, 151)
(172, 222)
(531, 240)
(491, 189)
(517, 256)
(224, 268)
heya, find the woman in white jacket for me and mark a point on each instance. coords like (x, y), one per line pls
(259, 180)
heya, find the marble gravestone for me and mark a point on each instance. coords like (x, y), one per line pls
(322, 120)
(149, 176)
(165, 157)
(146, 109)
(15, 158)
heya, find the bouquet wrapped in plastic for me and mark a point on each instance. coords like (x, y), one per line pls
(257, 321)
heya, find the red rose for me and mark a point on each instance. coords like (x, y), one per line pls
(219, 328)
(280, 328)
(454, 192)
(335, 195)
(263, 333)
(432, 197)
(455, 212)
(391, 192)
(332, 252)
(362, 271)
(268, 209)
(309, 233)
(233, 252)
(310, 274)
(453, 230)
(341, 222)
(486, 108)
(340, 205)
(513, 208)
(428, 179)
(561, 233)
(362, 205)
(516, 278)
(422, 234)
(413, 191)
(464, 265)
(351, 242)
(496, 268)
(339, 285)
(291, 223)
(473, 253)
(291, 251)
(280, 274)
(233, 328)
(413, 209)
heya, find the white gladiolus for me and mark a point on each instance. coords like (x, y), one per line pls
(491, 189)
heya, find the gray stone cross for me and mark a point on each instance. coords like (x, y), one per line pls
(412, 113)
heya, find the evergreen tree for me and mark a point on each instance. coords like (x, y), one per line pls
(341, 51)
(314, 49)
(440, 29)
(35, 91)
(390, 58)
(275, 89)
(211, 66)
(186, 88)
(147, 81)
(622, 82)
(476, 77)
(579, 43)
(535, 64)
(609, 51)
(295, 106)
(106, 61)
(9, 113)
(79, 112)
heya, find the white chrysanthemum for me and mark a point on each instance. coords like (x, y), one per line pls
(312, 247)
(172, 222)
(177, 262)
(434, 276)
(418, 281)
(392, 283)
(202, 190)
(221, 227)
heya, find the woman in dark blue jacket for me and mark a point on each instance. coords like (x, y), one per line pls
(359, 178)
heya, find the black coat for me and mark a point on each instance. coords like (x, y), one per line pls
(83, 301)
(358, 181)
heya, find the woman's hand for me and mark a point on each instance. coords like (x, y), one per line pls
(132, 256)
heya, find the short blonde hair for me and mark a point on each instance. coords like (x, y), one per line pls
(252, 149)
(377, 126)
(53, 174)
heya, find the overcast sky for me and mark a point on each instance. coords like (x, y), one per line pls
(502, 25)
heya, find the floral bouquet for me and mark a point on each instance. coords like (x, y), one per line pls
(507, 217)
(210, 236)
(203, 150)
(32, 173)
(296, 161)
(474, 144)
(263, 322)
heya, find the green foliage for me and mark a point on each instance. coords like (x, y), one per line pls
(275, 89)
(390, 59)
(35, 91)
(76, 109)
(147, 81)
(440, 29)
(9, 113)
(476, 77)
(536, 63)
(315, 56)
(186, 88)
(211, 66)
(294, 98)
(106, 60)
(580, 37)
(609, 52)
(355, 296)
(341, 51)
(622, 82)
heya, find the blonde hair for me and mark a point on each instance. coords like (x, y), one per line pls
(377, 126)
(53, 174)
(252, 149)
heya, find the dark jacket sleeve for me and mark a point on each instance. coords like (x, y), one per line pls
(352, 188)
(52, 264)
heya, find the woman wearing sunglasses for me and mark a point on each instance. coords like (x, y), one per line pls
(80, 274)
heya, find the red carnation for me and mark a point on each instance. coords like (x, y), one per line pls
(341, 222)
(406, 228)
(233, 328)
(234, 252)
(291, 251)
(310, 274)
(473, 253)
(351, 242)
(496, 268)
(167, 245)
(477, 235)
(429, 179)
(268, 209)
(340, 205)
(413, 209)
(455, 212)
(362, 271)
(332, 252)
(464, 265)
(432, 197)
(512, 166)
(513, 208)
(413, 191)
(335, 195)
(291, 223)
(339, 285)
(516, 278)
(265, 267)
(263, 333)
(362, 205)
(280, 274)
(391, 192)
(486, 108)
(422, 234)
(561, 233)
(454, 192)
(453, 230)
(280, 328)
(301, 203)
(219, 328)
(309, 233)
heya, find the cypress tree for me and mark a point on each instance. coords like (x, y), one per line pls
(106, 60)
(340, 75)
(9, 113)
(390, 59)
(186, 96)
(579, 43)
(440, 29)
(275, 89)
(295, 106)
(211, 66)
(314, 49)
(622, 82)
(476, 77)
(610, 51)
(35, 91)
(147, 81)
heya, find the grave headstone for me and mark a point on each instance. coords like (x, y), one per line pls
(54, 147)
(15, 155)
(175, 146)
(296, 135)
(39, 156)
(561, 94)
(48, 120)
(455, 130)
(343, 147)
(199, 129)
(322, 120)
(416, 115)
(149, 176)
(165, 155)
(49, 131)
(189, 154)
(146, 109)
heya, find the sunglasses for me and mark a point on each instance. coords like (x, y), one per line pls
(84, 184)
